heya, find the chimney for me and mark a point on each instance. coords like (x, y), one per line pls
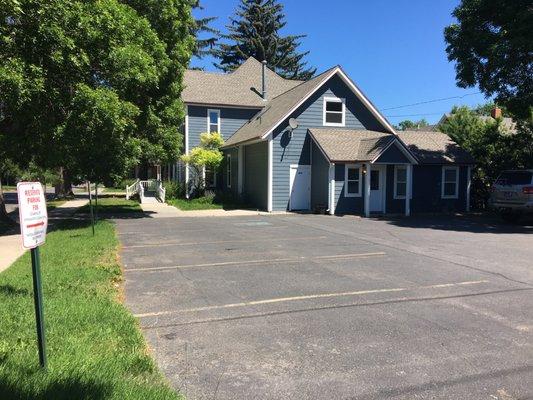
(263, 81)
(496, 112)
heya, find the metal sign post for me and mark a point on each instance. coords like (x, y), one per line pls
(33, 224)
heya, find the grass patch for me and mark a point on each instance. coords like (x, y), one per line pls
(52, 204)
(95, 349)
(114, 190)
(113, 205)
(200, 203)
(9, 187)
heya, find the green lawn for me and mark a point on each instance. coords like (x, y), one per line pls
(114, 190)
(52, 204)
(95, 348)
(201, 203)
(113, 205)
(8, 187)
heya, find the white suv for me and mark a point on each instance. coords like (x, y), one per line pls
(512, 193)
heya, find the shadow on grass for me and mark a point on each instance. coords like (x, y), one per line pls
(10, 290)
(67, 389)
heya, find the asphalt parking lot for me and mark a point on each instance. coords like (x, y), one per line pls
(319, 307)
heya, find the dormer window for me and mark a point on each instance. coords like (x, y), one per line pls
(334, 111)
(213, 121)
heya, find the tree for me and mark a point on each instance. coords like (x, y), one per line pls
(205, 156)
(51, 49)
(255, 32)
(408, 124)
(492, 44)
(492, 148)
(204, 46)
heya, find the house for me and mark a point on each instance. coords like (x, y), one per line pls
(319, 144)
(507, 124)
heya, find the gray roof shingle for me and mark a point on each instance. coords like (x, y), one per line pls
(346, 145)
(434, 148)
(241, 87)
(275, 110)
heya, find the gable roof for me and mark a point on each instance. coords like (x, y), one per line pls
(349, 145)
(241, 87)
(281, 107)
(435, 148)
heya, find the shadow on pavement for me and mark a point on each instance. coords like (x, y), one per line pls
(479, 223)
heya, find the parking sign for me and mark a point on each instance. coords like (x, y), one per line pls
(33, 214)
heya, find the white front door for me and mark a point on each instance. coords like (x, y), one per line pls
(377, 188)
(300, 187)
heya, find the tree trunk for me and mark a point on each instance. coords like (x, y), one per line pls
(64, 187)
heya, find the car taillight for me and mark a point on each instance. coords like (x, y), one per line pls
(528, 190)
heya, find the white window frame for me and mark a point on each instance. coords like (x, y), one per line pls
(209, 111)
(360, 183)
(456, 194)
(334, 100)
(228, 170)
(396, 168)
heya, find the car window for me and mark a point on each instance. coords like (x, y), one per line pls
(514, 178)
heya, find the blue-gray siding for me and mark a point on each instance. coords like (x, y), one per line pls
(296, 150)
(222, 182)
(256, 175)
(393, 155)
(319, 178)
(347, 205)
(231, 119)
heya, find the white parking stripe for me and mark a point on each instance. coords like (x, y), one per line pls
(307, 297)
(163, 244)
(257, 262)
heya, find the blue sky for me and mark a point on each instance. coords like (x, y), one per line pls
(393, 49)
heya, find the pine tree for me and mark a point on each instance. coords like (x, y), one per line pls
(254, 32)
(204, 46)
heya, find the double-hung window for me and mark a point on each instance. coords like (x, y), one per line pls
(352, 180)
(334, 111)
(213, 121)
(228, 170)
(400, 181)
(450, 182)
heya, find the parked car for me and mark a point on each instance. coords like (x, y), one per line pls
(512, 194)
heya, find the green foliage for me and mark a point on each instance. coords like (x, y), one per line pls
(492, 43)
(97, 117)
(173, 190)
(493, 149)
(208, 154)
(95, 348)
(54, 52)
(408, 124)
(255, 32)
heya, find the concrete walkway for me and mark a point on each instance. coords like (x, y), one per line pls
(162, 210)
(11, 245)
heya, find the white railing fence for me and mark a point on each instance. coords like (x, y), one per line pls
(132, 189)
(161, 191)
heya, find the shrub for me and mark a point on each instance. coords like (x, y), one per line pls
(173, 190)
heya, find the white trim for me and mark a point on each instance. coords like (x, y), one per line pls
(331, 186)
(240, 169)
(395, 180)
(468, 187)
(367, 189)
(355, 90)
(219, 119)
(228, 171)
(346, 167)
(270, 175)
(450, 168)
(341, 100)
(402, 148)
(408, 190)
(365, 100)
(187, 151)
(216, 105)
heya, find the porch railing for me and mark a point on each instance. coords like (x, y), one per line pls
(133, 189)
(161, 191)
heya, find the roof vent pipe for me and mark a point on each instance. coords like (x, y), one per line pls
(263, 81)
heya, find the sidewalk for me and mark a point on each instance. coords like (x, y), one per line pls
(11, 245)
(163, 210)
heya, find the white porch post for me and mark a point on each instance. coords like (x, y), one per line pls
(331, 197)
(367, 189)
(468, 187)
(187, 151)
(240, 169)
(408, 189)
(270, 174)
